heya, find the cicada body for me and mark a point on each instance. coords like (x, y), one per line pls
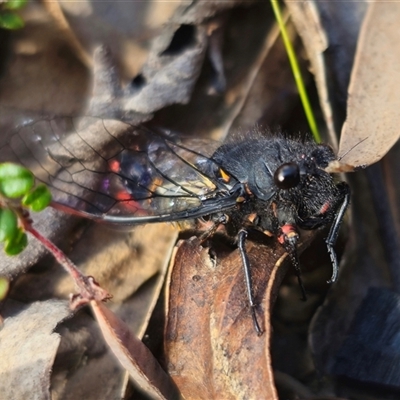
(111, 171)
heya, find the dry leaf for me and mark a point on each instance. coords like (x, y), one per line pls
(212, 348)
(372, 124)
(135, 357)
(210, 338)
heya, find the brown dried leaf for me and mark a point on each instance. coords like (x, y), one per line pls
(212, 348)
(135, 357)
(210, 339)
(28, 348)
(372, 125)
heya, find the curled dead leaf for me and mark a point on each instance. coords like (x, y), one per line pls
(134, 356)
(212, 348)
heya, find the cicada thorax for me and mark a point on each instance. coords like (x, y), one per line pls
(284, 183)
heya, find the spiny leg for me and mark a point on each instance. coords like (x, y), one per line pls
(296, 264)
(334, 232)
(242, 235)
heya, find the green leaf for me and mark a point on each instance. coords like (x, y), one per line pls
(8, 224)
(14, 4)
(38, 198)
(15, 180)
(4, 285)
(10, 20)
(16, 244)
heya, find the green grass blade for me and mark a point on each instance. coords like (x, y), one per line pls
(296, 71)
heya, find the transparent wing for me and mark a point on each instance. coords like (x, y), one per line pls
(114, 171)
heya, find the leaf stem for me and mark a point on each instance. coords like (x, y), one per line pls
(88, 288)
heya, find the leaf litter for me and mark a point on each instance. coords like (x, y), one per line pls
(224, 340)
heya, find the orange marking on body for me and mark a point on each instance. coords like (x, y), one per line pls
(281, 239)
(288, 231)
(248, 191)
(251, 218)
(156, 183)
(325, 208)
(224, 176)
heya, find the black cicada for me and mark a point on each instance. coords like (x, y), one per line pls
(110, 171)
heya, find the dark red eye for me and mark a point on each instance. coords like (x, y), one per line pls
(287, 176)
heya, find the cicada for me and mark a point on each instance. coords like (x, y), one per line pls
(111, 171)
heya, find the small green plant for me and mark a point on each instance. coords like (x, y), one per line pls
(18, 193)
(9, 19)
(18, 196)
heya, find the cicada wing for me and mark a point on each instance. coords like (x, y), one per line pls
(107, 168)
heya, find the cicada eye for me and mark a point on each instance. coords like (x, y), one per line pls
(287, 176)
